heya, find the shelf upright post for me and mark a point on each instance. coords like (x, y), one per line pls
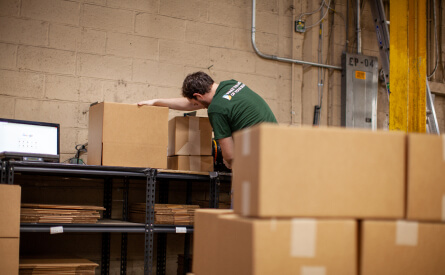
(10, 175)
(161, 238)
(3, 172)
(124, 236)
(106, 237)
(214, 189)
(149, 219)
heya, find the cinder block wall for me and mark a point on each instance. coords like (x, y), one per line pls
(57, 56)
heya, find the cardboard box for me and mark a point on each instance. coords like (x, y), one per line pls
(127, 135)
(286, 246)
(282, 171)
(402, 248)
(205, 240)
(189, 136)
(9, 256)
(10, 197)
(191, 163)
(426, 177)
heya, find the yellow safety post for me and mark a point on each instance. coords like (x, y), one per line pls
(407, 105)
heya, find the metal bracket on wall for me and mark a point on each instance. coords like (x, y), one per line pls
(214, 190)
(149, 219)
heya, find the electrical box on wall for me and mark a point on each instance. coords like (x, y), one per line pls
(359, 91)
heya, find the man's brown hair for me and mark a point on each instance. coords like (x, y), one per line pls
(198, 82)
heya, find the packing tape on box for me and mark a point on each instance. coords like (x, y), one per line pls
(303, 238)
(245, 196)
(195, 163)
(246, 142)
(443, 208)
(193, 145)
(273, 224)
(407, 233)
(313, 270)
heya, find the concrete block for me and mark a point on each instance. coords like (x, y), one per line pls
(90, 90)
(184, 53)
(297, 107)
(64, 37)
(219, 75)
(297, 47)
(155, 73)
(209, 34)
(151, 6)
(264, 86)
(267, 43)
(196, 10)
(266, 67)
(369, 41)
(46, 60)
(339, 35)
(9, 7)
(49, 111)
(336, 78)
(160, 26)
(122, 92)
(98, 2)
(230, 15)
(83, 116)
(285, 26)
(267, 22)
(62, 87)
(168, 92)
(107, 18)
(108, 67)
(132, 46)
(286, 7)
(68, 140)
(7, 106)
(284, 70)
(21, 84)
(267, 6)
(24, 31)
(334, 118)
(335, 95)
(232, 60)
(93, 41)
(59, 11)
(285, 47)
(242, 40)
(8, 54)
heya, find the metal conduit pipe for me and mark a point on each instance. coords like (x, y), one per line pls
(282, 59)
(359, 31)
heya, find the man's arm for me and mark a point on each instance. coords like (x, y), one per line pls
(227, 150)
(181, 103)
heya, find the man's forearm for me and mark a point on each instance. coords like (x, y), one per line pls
(181, 104)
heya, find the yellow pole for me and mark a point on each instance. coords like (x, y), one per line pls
(407, 107)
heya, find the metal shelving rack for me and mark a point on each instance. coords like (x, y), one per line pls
(107, 226)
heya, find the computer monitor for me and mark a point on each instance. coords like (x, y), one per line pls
(29, 140)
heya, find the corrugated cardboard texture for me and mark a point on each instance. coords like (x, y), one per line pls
(426, 177)
(205, 240)
(189, 136)
(9, 256)
(191, 163)
(380, 253)
(319, 172)
(128, 135)
(264, 246)
(10, 196)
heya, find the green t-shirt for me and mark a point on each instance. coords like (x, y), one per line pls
(234, 107)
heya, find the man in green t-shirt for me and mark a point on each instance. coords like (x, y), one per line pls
(231, 106)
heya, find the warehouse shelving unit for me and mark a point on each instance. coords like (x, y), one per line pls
(9, 170)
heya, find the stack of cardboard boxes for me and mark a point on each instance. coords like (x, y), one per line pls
(190, 144)
(9, 228)
(328, 201)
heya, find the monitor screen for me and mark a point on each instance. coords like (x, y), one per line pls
(29, 137)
